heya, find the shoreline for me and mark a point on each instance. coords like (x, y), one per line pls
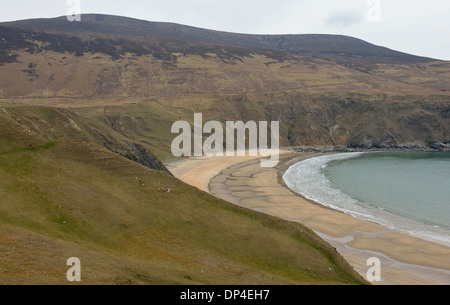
(405, 259)
(395, 222)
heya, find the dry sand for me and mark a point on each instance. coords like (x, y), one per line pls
(404, 259)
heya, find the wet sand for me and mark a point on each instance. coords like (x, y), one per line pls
(405, 259)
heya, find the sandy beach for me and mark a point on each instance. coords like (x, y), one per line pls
(405, 259)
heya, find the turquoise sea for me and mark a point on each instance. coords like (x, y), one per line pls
(405, 191)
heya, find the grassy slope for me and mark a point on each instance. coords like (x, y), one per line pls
(49, 74)
(69, 198)
(358, 120)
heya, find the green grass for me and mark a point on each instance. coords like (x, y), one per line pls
(72, 198)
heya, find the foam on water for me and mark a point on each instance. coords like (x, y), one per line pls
(307, 178)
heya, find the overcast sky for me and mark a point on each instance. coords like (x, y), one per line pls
(419, 27)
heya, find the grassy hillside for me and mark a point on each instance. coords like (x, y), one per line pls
(324, 89)
(330, 119)
(132, 225)
(110, 56)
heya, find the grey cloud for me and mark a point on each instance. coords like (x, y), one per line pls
(345, 18)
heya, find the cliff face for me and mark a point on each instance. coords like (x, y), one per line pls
(360, 121)
(139, 154)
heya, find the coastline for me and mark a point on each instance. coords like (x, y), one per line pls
(315, 186)
(405, 259)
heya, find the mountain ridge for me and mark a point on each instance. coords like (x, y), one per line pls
(124, 81)
(306, 44)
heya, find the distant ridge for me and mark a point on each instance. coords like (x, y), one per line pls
(338, 48)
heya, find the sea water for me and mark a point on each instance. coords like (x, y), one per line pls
(404, 191)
